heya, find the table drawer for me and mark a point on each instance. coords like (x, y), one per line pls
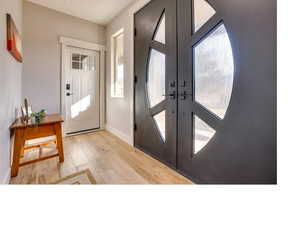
(39, 131)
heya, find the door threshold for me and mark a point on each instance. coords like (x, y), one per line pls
(192, 179)
(83, 132)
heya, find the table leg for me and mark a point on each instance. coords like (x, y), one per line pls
(18, 146)
(59, 142)
(22, 153)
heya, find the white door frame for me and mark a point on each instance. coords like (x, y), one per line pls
(69, 42)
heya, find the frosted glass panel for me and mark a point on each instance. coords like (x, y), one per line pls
(85, 62)
(92, 63)
(156, 77)
(202, 13)
(214, 70)
(202, 134)
(161, 31)
(160, 120)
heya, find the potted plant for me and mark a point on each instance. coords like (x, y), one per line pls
(38, 116)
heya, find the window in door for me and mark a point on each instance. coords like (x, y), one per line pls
(202, 13)
(156, 77)
(213, 71)
(160, 120)
(117, 70)
(202, 134)
(83, 62)
(76, 62)
(160, 35)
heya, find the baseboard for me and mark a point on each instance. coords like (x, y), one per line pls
(119, 134)
(6, 178)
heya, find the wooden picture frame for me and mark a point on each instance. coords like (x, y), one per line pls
(14, 41)
(26, 112)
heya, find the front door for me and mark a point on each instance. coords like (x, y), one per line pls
(222, 118)
(155, 90)
(82, 91)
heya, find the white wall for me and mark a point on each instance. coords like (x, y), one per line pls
(42, 52)
(119, 111)
(10, 84)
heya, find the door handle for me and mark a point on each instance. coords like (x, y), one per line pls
(68, 86)
(184, 95)
(172, 95)
(68, 94)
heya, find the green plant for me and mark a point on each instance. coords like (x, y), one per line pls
(38, 116)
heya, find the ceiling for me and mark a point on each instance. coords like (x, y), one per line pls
(97, 11)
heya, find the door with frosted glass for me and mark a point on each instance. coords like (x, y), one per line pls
(205, 93)
(227, 92)
(155, 82)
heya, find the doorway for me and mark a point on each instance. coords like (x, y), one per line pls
(83, 104)
(82, 91)
(205, 88)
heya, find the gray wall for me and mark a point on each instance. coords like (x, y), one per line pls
(41, 71)
(10, 84)
(119, 111)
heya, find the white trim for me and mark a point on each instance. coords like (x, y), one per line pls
(118, 33)
(65, 43)
(113, 64)
(81, 44)
(102, 89)
(119, 134)
(6, 179)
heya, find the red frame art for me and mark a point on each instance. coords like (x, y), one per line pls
(14, 41)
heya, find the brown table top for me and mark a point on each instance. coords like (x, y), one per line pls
(49, 119)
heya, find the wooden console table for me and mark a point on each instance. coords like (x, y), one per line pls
(49, 126)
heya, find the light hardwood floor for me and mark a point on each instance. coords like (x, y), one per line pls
(110, 160)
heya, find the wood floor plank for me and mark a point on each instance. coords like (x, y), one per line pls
(111, 161)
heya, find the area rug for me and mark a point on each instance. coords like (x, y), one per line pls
(82, 177)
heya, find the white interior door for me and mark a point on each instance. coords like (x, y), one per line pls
(82, 100)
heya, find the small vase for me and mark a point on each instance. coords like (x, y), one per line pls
(37, 120)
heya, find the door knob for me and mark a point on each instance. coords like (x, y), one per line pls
(172, 95)
(184, 95)
(172, 84)
(183, 83)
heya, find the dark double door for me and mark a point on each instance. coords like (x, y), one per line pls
(205, 88)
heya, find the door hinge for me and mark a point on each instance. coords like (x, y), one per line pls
(135, 79)
(135, 32)
(135, 127)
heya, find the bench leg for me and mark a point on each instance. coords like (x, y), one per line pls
(59, 141)
(18, 148)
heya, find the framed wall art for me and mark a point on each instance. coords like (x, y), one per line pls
(14, 41)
